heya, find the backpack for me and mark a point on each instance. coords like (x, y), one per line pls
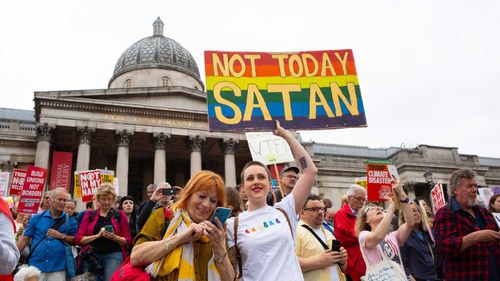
(238, 254)
(127, 272)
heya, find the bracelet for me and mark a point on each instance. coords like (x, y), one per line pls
(167, 244)
(406, 200)
(220, 259)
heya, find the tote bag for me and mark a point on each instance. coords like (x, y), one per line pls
(385, 270)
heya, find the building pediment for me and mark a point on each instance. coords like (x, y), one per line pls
(161, 100)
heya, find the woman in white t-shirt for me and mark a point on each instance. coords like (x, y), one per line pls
(376, 236)
(264, 234)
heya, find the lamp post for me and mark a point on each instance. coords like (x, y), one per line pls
(428, 177)
(429, 180)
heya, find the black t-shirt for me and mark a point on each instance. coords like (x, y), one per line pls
(103, 245)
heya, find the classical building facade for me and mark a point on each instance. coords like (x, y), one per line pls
(150, 125)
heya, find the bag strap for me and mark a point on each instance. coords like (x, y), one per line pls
(316, 235)
(287, 219)
(238, 255)
(58, 223)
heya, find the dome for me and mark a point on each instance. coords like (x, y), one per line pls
(156, 52)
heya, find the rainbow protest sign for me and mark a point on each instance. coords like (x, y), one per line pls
(304, 90)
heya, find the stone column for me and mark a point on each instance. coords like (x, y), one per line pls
(43, 136)
(228, 147)
(123, 140)
(85, 136)
(160, 142)
(195, 143)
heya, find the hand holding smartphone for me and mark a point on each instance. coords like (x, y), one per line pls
(222, 214)
(109, 228)
(336, 245)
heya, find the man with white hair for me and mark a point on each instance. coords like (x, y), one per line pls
(48, 232)
(466, 234)
(345, 219)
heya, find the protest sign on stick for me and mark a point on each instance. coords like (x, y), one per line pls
(4, 183)
(437, 197)
(379, 181)
(89, 181)
(17, 182)
(303, 90)
(32, 191)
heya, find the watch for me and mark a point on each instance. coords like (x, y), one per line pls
(220, 259)
(406, 200)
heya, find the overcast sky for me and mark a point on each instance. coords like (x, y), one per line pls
(428, 70)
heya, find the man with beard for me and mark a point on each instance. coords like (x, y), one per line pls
(288, 178)
(466, 234)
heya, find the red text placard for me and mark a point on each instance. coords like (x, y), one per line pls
(379, 182)
(89, 181)
(437, 197)
(32, 190)
(17, 183)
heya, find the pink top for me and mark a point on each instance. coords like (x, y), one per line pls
(87, 229)
(389, 246)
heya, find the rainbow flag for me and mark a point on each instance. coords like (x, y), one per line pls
(304, 90)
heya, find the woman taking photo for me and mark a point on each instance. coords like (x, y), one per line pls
(104, 234)
(265, 234)
(376, 236)
(128, 206)
(417, 255)
(187, 246)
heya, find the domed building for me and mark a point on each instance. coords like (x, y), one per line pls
(150, 125)
(156, 61)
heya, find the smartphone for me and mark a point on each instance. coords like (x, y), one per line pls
(108, 228)
(336, 245)
(169, 191)
(222, 214)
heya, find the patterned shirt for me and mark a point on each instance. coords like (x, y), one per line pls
(451, 224)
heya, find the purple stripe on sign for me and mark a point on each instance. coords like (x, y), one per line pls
(298, 123)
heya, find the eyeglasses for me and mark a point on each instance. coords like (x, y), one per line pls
(315, 209)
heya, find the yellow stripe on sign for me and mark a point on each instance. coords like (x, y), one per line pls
(262, 82)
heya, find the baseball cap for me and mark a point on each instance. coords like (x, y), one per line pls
(288, 168)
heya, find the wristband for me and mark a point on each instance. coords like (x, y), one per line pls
(405, 201)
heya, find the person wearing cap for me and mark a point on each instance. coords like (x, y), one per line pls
(288, 179)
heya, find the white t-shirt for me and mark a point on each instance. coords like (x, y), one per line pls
(265, 243)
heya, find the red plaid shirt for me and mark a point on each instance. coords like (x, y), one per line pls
(451, 224)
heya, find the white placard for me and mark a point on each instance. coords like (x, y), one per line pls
(497, 218)
(268, 148)
(4, 183)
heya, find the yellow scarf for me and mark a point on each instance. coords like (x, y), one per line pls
(181, 258)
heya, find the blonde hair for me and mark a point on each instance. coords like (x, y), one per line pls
(423, 217)
(105, 189)
(202, 181)
(361, 223)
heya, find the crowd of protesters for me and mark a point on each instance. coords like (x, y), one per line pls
(273, 234)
